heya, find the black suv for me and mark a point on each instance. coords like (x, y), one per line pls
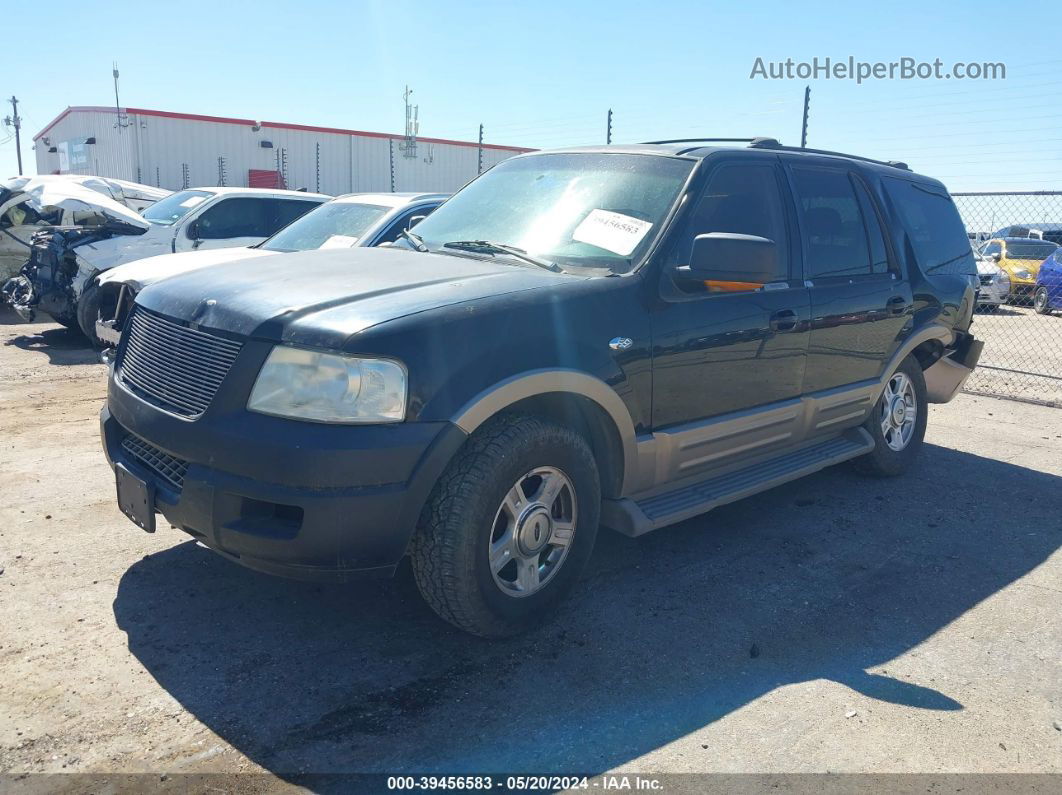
(625, 335)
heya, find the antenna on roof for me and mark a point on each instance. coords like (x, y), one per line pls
(409, 145)
(121, 122)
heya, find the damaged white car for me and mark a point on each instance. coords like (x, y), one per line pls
(29, 204)
(58, 279)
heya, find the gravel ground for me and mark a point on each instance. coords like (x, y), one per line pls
(834, 624)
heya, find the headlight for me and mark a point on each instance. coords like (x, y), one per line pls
(1024, 274)
(1002, 278)
(327, 387)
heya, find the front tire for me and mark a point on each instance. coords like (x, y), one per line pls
(88, 310)
(897, 422)
(1040, 302)
(509, 526)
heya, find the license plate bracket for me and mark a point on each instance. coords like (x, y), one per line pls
(136, 498)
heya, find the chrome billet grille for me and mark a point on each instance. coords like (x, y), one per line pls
(175, 367)
(167, 467)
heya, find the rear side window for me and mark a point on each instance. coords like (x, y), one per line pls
(934, 229)
(879, 258)
(287, 210)
(741, 198)
(837, 238)
(236, 217)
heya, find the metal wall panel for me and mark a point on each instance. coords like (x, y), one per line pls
(157, 149)
(110, 156)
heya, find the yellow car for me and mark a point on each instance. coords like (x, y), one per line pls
(1020, 257)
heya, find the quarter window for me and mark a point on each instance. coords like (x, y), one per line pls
(934, 228)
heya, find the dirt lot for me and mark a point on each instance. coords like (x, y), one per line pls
(836, 623)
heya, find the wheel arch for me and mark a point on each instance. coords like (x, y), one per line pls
(572, 398)
(927, 353)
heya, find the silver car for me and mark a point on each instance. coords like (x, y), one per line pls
(994, 284)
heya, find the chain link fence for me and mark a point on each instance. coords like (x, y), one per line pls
(1013, 233)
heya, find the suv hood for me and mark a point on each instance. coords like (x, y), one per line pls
(320, 298)
(142, 272)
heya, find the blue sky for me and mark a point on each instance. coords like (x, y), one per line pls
(545, 74)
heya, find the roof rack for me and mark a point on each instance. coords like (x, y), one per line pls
(768, 143)
(707, 140)
(774, 143)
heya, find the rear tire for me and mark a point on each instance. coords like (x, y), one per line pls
(897, 422)
(1040, 302)
(509, 526)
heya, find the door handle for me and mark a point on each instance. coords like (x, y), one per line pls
(897, 305)
(784, 320)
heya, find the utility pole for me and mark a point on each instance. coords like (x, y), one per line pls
(479, 168)
(608, 135)
(804, 126)
(14, 120)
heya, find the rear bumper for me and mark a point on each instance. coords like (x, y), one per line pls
(302, 506)
(946, 376)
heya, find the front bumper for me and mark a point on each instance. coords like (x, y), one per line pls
(301, 500)
(992, 294)
(946, 376)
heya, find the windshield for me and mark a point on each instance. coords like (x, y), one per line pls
(337, 224)
(1037, 251)
(176, 206)
(597, 210)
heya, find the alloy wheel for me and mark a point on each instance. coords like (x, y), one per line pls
(899, 410)
(533, 531)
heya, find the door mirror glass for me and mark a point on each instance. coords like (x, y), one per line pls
(193, 230)
(732, 259)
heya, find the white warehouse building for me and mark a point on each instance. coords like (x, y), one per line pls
(179, 150)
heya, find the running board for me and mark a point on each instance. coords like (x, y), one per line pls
(637, 517)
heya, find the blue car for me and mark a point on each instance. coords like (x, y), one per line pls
(1048, 293)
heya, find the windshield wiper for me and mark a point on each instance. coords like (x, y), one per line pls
(415, 239)
(490, 247)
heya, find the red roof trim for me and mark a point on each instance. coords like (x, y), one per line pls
(273, 124)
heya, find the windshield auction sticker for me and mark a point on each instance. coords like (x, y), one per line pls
(339, 241)
(611, 231)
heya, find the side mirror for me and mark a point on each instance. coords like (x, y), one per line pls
(416, 219)
(730, 257)
(995, 257)
(193, 230)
